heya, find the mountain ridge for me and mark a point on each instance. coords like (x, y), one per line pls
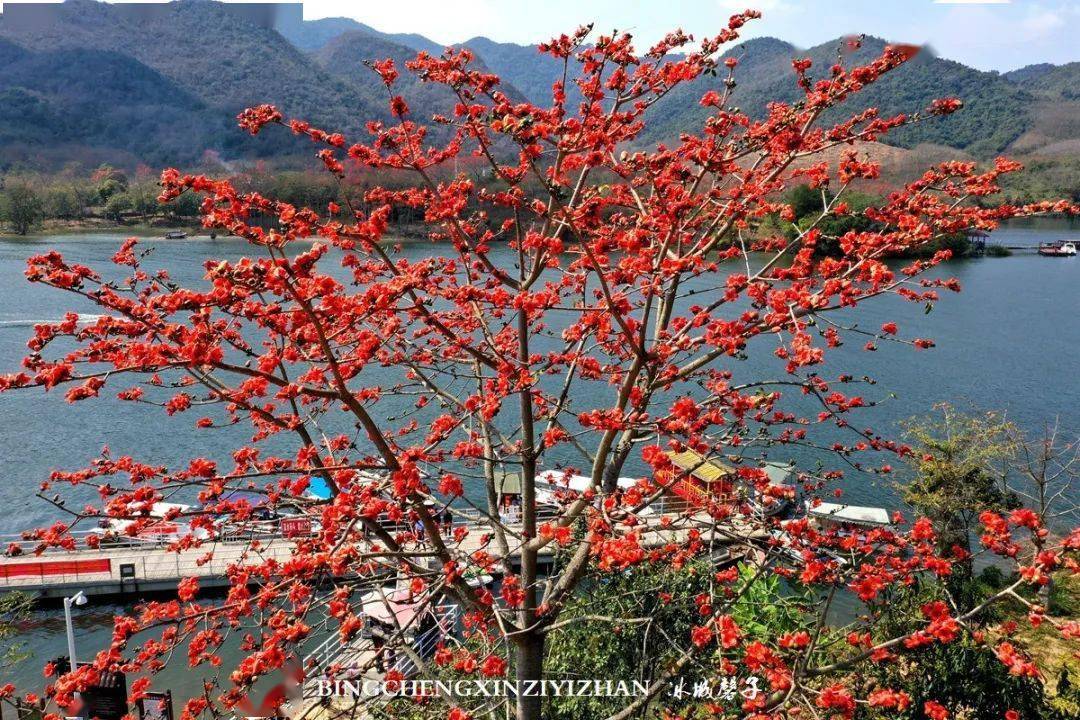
(212, 64)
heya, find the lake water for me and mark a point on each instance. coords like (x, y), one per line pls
(1008, 342)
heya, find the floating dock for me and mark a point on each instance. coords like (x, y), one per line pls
(128, 567)
(131, 567)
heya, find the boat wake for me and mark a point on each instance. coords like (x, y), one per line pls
(84, 319)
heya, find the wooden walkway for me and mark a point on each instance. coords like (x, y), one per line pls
(130, 567)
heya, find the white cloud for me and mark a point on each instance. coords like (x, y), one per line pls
(766, 7)
(1040, 22)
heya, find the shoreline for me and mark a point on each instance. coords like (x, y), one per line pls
(403, 233)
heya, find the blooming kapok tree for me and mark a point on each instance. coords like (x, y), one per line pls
(581, 311)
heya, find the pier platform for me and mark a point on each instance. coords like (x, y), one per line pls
(129, 567)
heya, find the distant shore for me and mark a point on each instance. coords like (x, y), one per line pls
(195, 231)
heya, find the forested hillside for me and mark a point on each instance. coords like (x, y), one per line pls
(222, 61)
(1059, 82)
(55, 105)
(97, 85)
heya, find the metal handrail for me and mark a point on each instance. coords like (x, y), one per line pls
(333, 651)
(424, 645)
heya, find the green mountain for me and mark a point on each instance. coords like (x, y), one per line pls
(213, 55)
(54, 104)
(1056, 82)
(523, 67)
(996, 111)
(1028, 73)
(313, 35)
(346, 57)
(98, 81)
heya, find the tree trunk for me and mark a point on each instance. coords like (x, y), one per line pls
(1044, 593)
(529, 655)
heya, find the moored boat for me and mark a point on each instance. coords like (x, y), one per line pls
(161, 523)
(1058, 249)
(175, 235)
(847, 517)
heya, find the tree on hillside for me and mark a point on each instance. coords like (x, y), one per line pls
(109, 181)
(953, 457)
(1044, 473)
(573, 334)
(833, 217)
(118, 206)
(61, 202)
(965, 676)
(20, 206)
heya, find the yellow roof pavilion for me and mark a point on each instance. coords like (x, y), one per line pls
(708, 471)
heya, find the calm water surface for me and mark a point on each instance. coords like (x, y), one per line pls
(1008, 342)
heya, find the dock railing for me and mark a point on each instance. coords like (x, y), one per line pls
(333, 655)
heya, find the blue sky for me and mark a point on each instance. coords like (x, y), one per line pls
(987, 34)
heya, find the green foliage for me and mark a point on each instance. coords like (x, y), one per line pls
(21, 207)
(107, 193)
(632, 625)
(954, 459)
(953, 456)
(1066, 701)
(635, 645)
(768, 608)
(185, 206)
(957, 243)
(963, 675)
(14, 609)
(996, 250)
(144, 199)
(117, 206)
(61, 202)
(808, 204)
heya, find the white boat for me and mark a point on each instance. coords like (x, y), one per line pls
(781, 476)
(559, 480)
(835, 515)
(1059, 249)
(553, 485)
(165, 524)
